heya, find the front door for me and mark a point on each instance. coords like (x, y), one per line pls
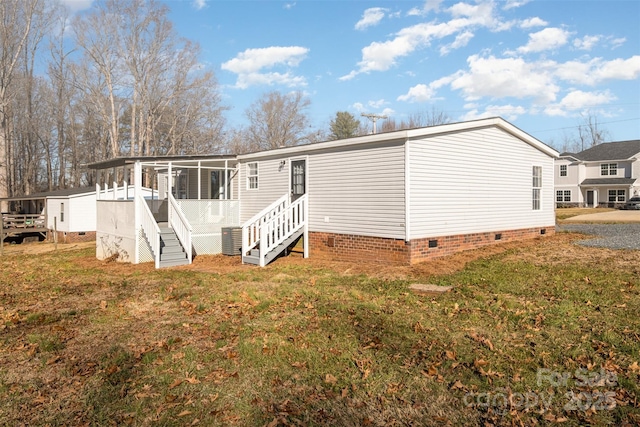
(298, 178)
(590, 198)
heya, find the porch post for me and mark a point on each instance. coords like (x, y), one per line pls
(125, 182)
(137, 172)
(199, 180)
(169, 189)
(225, 179)
(115, 183)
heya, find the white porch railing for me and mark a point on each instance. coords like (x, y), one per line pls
(273, 225)
(149, 227)
(178, 221)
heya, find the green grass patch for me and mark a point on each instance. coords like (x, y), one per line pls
(303, 344)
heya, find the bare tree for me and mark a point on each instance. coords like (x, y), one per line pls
(17, 18)
(277, 120)
(433, 117)
(589, 133)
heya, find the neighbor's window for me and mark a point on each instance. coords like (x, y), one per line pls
(537, 187)
(617, 195)
(609, 169)
(252, 175)
(563, 170)
(61, 212)
(563, 196)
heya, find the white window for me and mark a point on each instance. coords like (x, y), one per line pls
(563, 195)
(617, 195)
(608, 169)
(563, 170)
(252, 176)
(537, 187)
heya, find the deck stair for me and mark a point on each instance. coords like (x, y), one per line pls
(171, 251)
(274, 230)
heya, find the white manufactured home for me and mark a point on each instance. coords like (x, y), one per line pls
(399, 197)
(69, 212)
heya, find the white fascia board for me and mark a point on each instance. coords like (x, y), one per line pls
(406, 135)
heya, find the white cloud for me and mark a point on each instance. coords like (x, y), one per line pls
(461, 40)
(586, 43)
(376, 104)
(533, 22)
(380, 56)
(358, 106)
(418, 93)
(598, 70)
(289, 5)
(578, 100)
(508, 112)
(429, 5)
(512, 4)
(505, 77)
(249, 66)
(77, 5)
(615, 43)
(370, 17)
(199, 4)
(547, 39)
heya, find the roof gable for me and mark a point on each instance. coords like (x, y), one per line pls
(405, 135)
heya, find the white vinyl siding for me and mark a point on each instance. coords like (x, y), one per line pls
(79, 213)
(274, 183)
(476, 181)
(358, 191)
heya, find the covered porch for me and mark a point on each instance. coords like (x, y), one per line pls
(192, 198)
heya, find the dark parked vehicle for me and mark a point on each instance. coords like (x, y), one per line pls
(632, 204)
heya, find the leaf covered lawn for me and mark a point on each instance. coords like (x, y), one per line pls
(542, 332)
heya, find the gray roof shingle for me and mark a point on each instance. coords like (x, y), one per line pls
(621, 150)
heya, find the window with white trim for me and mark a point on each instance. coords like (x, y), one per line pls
(563, 170)
(563, 195)
(608, 169)
(537, 187)
(252, 176)
(61, 212)
(617, 195)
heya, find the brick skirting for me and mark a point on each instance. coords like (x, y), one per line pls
(69, 237)
(396, 251)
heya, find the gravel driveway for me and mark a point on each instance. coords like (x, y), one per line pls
(613, 236)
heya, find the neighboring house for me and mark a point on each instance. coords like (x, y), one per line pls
(603, 175)
(71, 212)
(399, 197)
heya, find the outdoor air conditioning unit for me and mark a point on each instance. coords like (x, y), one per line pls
(232, 240)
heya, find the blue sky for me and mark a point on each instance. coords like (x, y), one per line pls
(538, 64)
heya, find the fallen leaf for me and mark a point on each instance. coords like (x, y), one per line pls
(330, 379)
(103, 305)
(184, 413)
(175, 384)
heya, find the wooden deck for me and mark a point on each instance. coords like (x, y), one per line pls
(15, 225)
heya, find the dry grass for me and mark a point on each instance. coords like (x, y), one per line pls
(564, 213)
(317, 342)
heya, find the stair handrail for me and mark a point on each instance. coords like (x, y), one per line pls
(284, 225)
(149, 227)
(181, 226)
(252, 228)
